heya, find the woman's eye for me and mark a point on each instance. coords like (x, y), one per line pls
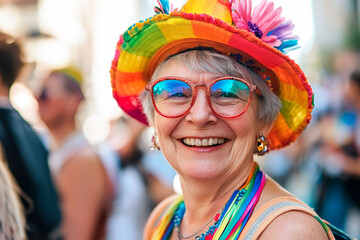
(218, 94)
(229, 95)
(180, 93)
(176, 94)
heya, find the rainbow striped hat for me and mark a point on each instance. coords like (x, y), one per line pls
(257, 38)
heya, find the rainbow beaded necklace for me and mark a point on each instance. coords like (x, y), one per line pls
(233, 218)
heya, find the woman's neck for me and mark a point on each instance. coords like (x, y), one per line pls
(203, 199)
(61, 133)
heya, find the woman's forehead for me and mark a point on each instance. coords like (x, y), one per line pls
(182, 66)
(179, 69)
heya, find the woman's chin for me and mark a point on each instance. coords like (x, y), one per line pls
(202, 171)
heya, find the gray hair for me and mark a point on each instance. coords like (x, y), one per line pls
(212, 62)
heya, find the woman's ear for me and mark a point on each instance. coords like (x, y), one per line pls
(152, 123)
(265, 127)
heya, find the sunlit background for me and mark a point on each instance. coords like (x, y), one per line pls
(85, 33)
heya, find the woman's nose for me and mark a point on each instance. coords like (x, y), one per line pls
(201, 113)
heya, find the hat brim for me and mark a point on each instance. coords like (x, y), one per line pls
(144, 45)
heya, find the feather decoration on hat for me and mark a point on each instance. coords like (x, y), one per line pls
(285, 35)
(264, 22)
(164, 7)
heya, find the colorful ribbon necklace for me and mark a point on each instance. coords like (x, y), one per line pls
(233, 218)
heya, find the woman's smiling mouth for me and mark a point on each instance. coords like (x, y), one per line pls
(204, 142)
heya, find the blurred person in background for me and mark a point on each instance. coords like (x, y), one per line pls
(25, 153)
(131, 206)
(351, 153)
(145, 178)
(156, 172)
(12, 219)
(340, 183)
(82, 176)
(159, 176)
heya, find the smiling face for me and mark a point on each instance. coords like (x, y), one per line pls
(200, 144)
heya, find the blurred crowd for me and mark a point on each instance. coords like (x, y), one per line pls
(323, 166)
(55, 184)
(69, 188)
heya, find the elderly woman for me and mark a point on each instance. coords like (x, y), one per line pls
(219, 89)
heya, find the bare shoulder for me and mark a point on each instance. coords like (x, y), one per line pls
(294, 225)
(87, 155)
(83, 169)
(86, 158)
(156, 214)
(273, 190)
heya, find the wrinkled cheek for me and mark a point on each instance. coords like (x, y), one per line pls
(168, 149)
(245, 142)
(167, 144)
(244, 147)
(164, 128)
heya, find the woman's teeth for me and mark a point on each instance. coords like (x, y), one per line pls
(203, 142)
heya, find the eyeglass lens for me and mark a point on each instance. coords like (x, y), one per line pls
(228, 97)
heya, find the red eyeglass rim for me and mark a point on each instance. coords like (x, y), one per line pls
(207, 84)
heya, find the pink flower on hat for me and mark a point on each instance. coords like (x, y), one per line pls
(264, 21)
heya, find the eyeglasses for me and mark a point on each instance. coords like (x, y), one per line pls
(228, 97)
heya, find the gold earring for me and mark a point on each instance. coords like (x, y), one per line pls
(262, 145)
(154, 143)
